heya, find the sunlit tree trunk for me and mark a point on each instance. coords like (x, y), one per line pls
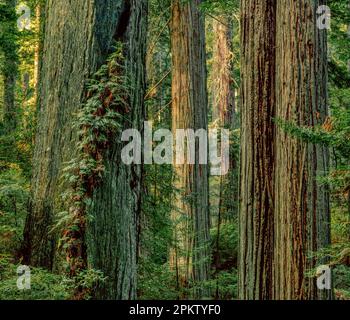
(302, 218)
(39, 25)
(222, 87)
(190, 258)
(224, 106)
(223, 110)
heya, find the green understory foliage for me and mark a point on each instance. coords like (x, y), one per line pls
(43, 285)
(15, 155)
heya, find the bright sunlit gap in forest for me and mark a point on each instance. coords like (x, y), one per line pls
(78, 223)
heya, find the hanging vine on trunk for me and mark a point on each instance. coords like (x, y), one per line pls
(98, 122)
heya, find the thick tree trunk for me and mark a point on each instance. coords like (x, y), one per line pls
(113, 230)
(74, 46)
(257, 149)
(78, 38)
(302, 215)
(284, 215)
(189, 111)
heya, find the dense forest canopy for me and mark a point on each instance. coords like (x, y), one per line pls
(175, 149)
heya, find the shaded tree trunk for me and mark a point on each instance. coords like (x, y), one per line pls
(257, 149)
(10, 68)
(78, 38)
(190, 258)
(113, 230)
(73, 48)
(302, 217)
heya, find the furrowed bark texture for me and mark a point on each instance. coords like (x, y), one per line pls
(257, 149)
(189, 111)
(301, 203)
(112, 244)
(284, 214)
(223, 94)
(78, 38)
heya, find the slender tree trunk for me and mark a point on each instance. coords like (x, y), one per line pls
(222, 88)
(10, 113)
(39, 21)
(223, 109)
(189, 111)
(257, 149)
(224, 106)
(10, 69)
(302, 215)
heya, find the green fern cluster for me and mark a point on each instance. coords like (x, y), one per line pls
(97, 123)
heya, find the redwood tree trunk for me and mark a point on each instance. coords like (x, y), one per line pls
(189, 111)
(78, 38)
(223, 110)
(115, 210)
(284, 214)
(302, 215)
(257, 149)
(222, 89)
